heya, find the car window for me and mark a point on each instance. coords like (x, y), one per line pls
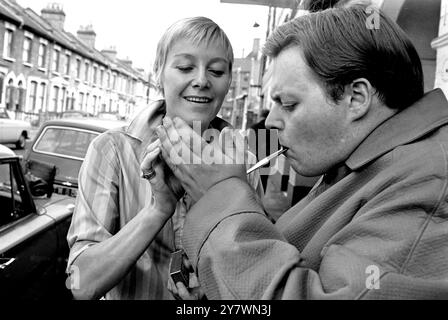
(3, 114)
(65, 142)
(11, 204)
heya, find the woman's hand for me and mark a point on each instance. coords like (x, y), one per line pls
(166, 189)
(198, 169)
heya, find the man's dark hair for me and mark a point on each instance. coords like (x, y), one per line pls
(319, 5)
(339, 47)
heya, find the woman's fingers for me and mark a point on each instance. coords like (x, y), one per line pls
(151, 153)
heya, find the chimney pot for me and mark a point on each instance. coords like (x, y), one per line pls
(87, 35)
(54, 14)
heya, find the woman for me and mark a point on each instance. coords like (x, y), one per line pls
(121, 235)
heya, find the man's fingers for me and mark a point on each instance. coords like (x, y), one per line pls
(169, 151)
(171, 131)
(192, 139)
(185, 293)
(173, 289)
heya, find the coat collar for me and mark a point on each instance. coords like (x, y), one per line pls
(144, 124)
(424, 116)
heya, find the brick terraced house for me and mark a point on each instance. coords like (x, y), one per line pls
(45, 70)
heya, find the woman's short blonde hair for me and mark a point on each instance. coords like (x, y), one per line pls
(196, 29)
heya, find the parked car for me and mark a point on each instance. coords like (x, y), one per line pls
(76, 114)
(109, 115)
(33, 246)
(63, 143)
(13, 131)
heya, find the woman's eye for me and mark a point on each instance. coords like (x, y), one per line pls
(184, 69)
(217, 73)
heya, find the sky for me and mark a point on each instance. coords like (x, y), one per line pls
(135, 26)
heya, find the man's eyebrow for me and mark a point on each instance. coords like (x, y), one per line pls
(275, 96)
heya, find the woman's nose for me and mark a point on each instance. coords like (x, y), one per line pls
(201, 80)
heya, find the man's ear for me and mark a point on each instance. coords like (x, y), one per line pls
(360, 97)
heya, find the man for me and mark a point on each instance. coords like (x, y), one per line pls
(349, 105)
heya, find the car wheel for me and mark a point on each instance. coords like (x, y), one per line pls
(20, 144)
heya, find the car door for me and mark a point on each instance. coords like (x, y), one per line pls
(10, 129)
(64, 147)
(28, 240)
(3, 119)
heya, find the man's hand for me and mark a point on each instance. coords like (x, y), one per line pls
(181, 292)
(197, 164)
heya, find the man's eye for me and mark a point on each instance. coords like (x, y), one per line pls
(289, 106)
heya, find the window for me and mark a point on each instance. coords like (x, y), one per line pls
(13, 198)
(95, 71)
(55, 99)
(42, 59)
(33, 96)
(78, 68)
(114, 81)
(87, 102)
(20, 97)
(67, 64)
(63, 93)
(86, 71)
(94, 103)
(56, 58)
(9, 95)
(101, 77)
(8, 45)
(42, 92)
(65, 142)
(81, 101)
(108, 80)
(2, 78)
(72, 102)
(27, 48)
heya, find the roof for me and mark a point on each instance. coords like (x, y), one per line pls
(244, 63)
(33, 21)
(99, 125)
(5, 152)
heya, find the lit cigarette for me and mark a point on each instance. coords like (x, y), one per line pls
(266, 160)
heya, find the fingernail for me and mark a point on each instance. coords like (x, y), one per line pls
(156, 150)
(153, 144)
(160, 131)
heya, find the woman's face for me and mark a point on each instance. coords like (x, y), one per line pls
(195, 81)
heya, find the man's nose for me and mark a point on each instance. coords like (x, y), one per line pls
(201, 80)
(273, 121)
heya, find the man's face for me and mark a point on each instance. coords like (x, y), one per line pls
(314, 128)
(195, 81)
